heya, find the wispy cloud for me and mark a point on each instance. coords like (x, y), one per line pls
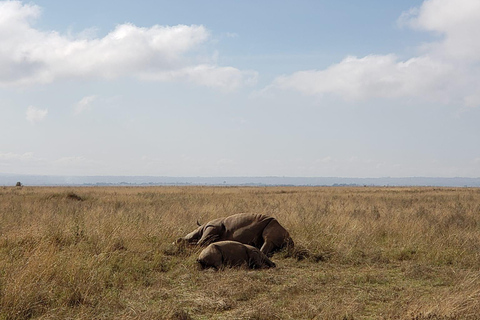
(74, 162)
(84, 104)
(30, 163)
(227, 78)
(35, 115)
(30, 56)
(10, 156)
(18, 160)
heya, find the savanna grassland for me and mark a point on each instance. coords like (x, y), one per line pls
(361, 253)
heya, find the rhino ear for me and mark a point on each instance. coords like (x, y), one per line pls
(198, 224)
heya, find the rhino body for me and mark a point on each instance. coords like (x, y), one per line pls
(233, 254)
(257, 230)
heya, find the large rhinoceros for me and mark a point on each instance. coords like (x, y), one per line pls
(233, 254)
(258, 230)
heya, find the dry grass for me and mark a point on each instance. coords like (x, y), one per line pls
(362, 253)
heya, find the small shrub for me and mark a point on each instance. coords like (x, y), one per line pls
(74, 196)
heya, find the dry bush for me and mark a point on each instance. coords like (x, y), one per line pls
(107, 253)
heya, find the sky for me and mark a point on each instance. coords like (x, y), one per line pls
(217, 88)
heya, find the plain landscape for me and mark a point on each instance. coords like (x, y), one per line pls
(361, 253)
(46, 180)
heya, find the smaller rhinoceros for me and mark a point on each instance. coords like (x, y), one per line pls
(232, 254)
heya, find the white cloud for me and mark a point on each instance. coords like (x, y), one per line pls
(445, 71)
(372, 76)
(84, 104)
(29, 56)
(35, 115)
(457, 20)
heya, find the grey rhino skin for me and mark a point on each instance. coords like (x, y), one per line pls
(258, 230)
(233, 254)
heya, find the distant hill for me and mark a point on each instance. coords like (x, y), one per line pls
(39, 180)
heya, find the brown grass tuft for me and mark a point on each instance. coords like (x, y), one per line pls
(178, 315)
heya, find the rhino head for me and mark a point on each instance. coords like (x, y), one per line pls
(205, 234)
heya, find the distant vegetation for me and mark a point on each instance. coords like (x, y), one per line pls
(106, 253)
(111, 181)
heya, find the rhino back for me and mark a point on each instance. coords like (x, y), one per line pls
(234, 253)
(241, 220)
(246, 227)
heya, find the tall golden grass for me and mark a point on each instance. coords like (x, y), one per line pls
(361, 253)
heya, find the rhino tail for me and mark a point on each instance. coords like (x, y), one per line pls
(289, 243)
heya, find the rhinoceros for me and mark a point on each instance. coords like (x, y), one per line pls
(258, 230)
(233, 254)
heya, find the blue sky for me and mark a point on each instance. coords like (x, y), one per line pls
(240, 88)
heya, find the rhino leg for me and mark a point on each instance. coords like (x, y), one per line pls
(267, 248)
(264, 261)
(258, 260)
(254, 260)
(274, 236)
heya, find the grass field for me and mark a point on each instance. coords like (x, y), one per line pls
(361, 253)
